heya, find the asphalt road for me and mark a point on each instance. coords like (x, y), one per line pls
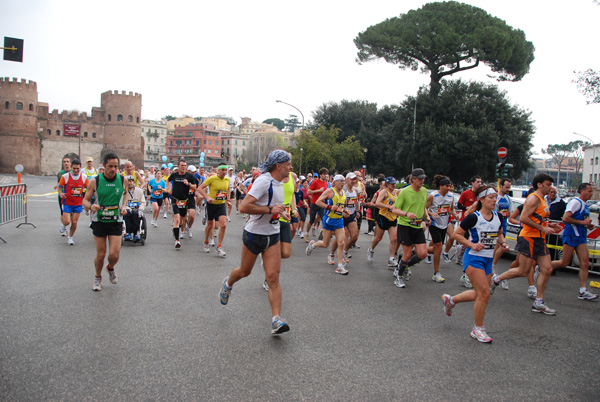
(161, 333)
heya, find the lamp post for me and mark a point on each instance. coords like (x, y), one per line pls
(593, 154)
(365, 151)
(301, 114)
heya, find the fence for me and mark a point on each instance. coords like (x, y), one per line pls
(13, 204)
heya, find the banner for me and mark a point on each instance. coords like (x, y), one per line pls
(72, 130)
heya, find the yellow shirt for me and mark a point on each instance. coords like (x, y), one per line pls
(218, 189)
(389, 200)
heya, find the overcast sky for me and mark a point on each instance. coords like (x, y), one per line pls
(235, 58)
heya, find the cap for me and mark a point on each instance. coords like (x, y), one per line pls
(302, 177)
(192, 168)
(130, 177)
(338, 177)
(100, 167)
(390, 180)
(257, 173)
(315, 175)
(418, 173)
(351, 175)
(230, 169)
(89, 159)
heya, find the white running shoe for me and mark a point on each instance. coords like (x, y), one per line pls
(62, 230)
(189, 233)
(341, 270)
(310, 247)
(370, 254)
(165, 215)
(392, 263)
(480, 334)
(177, 244)
(112, 276)
(448, 306)
(211, 242)
(464, 279)
(97, 283)
(428, 259)
(331, 259)
(70, 241)
(437, 277)
(228, 219)
(504, 284)
(532, 292)
(221, 252)
(206, 248)
(181, 233)
(399, 283)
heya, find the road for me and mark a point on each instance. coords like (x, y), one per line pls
(161, 334)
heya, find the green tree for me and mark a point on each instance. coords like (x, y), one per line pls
(169, 117)
(579, 153)
(588, 82)
(280, 124)
(445, 38)
(292, 123)
(459, 132)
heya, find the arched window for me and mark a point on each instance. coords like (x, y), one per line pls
(93, 135)
(109, 117)
(19, 106)
(57, 132)
(49, 132)
(137, 119)
(7, 105)
(130, 119)
(31, 107)
(85, 134)
(119, 117)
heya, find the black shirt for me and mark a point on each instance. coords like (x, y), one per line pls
(179, 190)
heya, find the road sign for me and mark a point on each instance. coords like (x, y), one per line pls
(502, 152)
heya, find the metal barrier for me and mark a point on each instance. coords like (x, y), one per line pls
(13, 204)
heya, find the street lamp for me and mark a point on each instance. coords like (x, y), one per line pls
(593, 156)
(365, 151)
(301, 114)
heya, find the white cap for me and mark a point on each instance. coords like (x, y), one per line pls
(302, 177)
(338, 177)
(351, 175)
(192, 168)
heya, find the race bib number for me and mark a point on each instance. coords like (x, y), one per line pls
(157, 193)
(221, 195)
(443, 210)
(181, 203)
(76, 191)
(133, 204)
(488, 239)
(351, 202)
(288, 209)
(108, 214)
(416, 221)
(504, 212)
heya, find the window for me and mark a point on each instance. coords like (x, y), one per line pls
(197, 143)
(130, 119)
(31, 107)
(137, 119)
(209, 151)
(596, 160)
(178, 142)
(57, 132)
(7, 105)
(119, 117)
(244, 143)
(19, 106)
(228, 141)
(235, 142)
(210, 143)
(204, 142)
(49, 132)
(93, 135)
(109, 117)
(216, 142)
(85, 134)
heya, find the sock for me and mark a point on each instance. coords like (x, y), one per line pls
(402, 267)
(531, 287)
(538, 302)
(413, 260)
(275, 318)
(109, 268)
(176, 233)
(581, 290)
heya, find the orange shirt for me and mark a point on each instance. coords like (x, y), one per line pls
(539, 216)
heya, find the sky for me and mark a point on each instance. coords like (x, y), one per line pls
(236, 58)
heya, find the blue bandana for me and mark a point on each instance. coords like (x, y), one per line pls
(275, 157)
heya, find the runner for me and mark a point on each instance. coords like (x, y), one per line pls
(232, 184)
(129, 170)
(350, 224)
(136, 202)
(66, 167)
(182, 182)
(238, 194)
(303, 208)
(191, 205)
(218, 199)
(440, 206)
(107, 216)
(90, 171)
(316, 188)
(157, 187)
(71, 188)
(577, 222)
(411, 211)
(386, 220)
(504, 208)
(166, 195)
(264, 204)
(485, 229)
(531, 244)
(333, 222)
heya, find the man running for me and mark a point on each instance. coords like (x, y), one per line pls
(504, 208)
(386, 221)
(350, 222)
(264, 204)
(577, 222)
(191, 205)
(182, 182)
(316, 188)
(218, 199)
(531, 244)
(107, 216)
(66, 167)
(71, 187)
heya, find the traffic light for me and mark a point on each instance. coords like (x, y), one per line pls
(499, 169)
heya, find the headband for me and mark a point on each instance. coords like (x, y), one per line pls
(275, 157)
(222, 167)
(445, 181)
(486, 192)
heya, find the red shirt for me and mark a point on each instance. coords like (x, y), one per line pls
(315, 185)
(467, 198)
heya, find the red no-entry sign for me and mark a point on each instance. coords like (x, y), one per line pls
(502, 152)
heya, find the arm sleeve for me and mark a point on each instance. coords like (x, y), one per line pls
(469, 222)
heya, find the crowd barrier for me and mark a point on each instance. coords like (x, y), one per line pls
(13, 204)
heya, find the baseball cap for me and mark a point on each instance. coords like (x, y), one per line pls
(302, 177)
(230, 168)
(315, 175)
(418, 173)
(192, 168)
(351, 175)
(390, 180)
(89, 159)
(338, 177)
(130, 177)
(257, 173)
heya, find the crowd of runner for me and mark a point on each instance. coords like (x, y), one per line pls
(278, 205)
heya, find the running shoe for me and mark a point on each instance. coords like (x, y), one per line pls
(206, 248)
(177, 244)
(347, 255)
(437, 277)
(370, 254)
(428, 259)
(448, 306)
(587, 295)
(181, 234)
(536, 274)
(532, 292)
(504, 284)
(480, 334)
(265, 285)
(221, 252)
(62, 230)
(331, 259)
(228, 219)
(314, 230)
(392, 262)
(301, 235)
(189, 233)
(310, 248)
(355, 246)
(112, 276)
(165, 215)
(279, 326)
(459, 254)
(97, 283)
(204, 219)
(464, 279)
(127, 237)
(445, 257)
(211, 242)
(70, 241)
(225, 292)
(153, 223)
(542, 308)
(399, 283)
(407, 274)
(493, 284)
(341, 270)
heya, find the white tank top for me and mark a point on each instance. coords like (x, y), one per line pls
(351, 199)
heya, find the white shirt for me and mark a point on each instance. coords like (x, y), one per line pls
(265, 224)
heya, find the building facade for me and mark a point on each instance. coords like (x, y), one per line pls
(190, 141)
(154, 134)
(591, 167)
